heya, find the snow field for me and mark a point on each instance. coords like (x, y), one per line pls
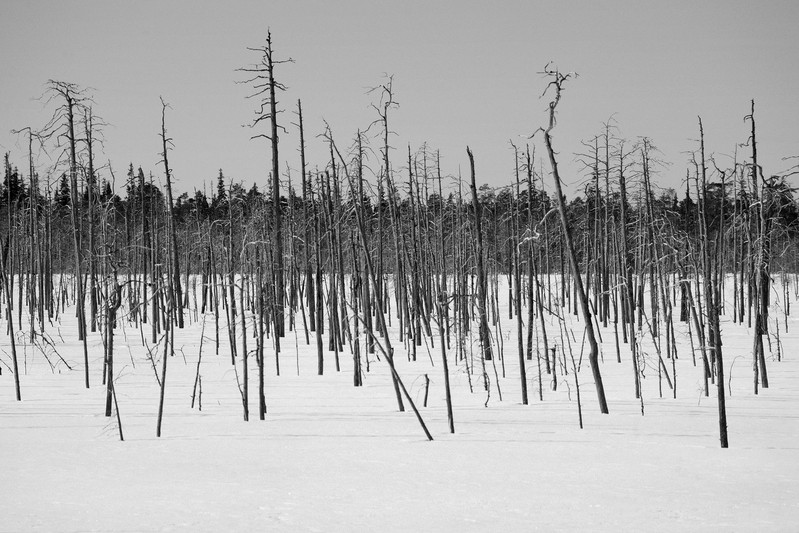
(332, 457)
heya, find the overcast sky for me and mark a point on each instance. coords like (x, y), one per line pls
(465, 72)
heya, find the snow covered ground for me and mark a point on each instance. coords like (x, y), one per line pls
(331, 457)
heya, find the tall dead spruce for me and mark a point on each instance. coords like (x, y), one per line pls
(711, 305)
(176, 297)
(557, 82)
(265, 88)
(760, 267)
(62, 124)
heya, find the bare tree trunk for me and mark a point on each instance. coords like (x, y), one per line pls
(12, 339)
(319, 299)
(73, 176)
(761, 268)
(164, 356)
(178, 296)
(266, 86)
(260, 352)
(628, 269)
(517, 281)
(557, 83)
(91, 189)
(114, 299)
(710, 303)
(245, 385)
(309, 285)
(277, 216)
(485, 340)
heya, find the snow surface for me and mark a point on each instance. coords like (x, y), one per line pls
(332, 457)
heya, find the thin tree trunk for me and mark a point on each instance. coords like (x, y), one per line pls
(589, 326)
(485, 341)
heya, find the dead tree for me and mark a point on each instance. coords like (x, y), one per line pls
(711, 305)
(485, 340)
(517, 278)
(309, 283)
(113, 301)
(266, 86)
(388, 351)
(63, 123)
(10, 316)
(91, 193)
(166, 142)
(760, 269)
(557, 82)
(386, 102)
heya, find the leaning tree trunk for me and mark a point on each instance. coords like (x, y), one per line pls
(593, 354)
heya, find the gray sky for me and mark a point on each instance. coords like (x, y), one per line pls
(465, 72)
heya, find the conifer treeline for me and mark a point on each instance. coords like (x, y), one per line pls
(429, 211)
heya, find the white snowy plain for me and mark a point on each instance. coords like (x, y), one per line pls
(333, 457)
